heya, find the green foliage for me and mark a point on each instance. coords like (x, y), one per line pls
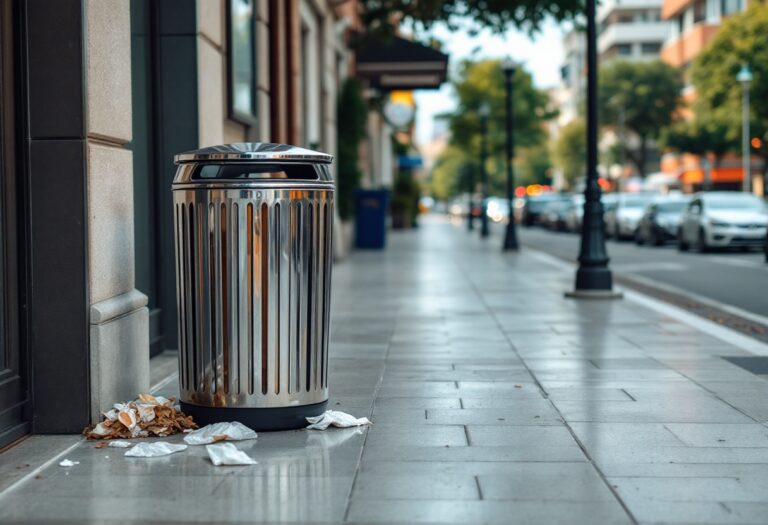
(476, 83)
(648, 93)
(533, 165)
(707, 133)
(451, 174)
(498, 15)
(405, 200)
(742, 39)
(351, 118)
(570, 150)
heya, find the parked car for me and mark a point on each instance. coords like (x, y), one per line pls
(575, 214)
(622, 220)
(556, 213)
(721, 219)
(661, 220)
(535, 205)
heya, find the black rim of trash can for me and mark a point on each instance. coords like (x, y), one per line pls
(259, 419)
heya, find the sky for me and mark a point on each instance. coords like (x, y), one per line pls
(541, 55)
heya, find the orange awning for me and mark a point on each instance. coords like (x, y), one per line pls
(696, 176)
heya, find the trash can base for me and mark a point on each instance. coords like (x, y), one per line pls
(259, 419)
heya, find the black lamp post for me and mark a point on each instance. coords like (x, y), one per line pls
(483, 112)
(469, 175)
(593, 278)
(510, 236)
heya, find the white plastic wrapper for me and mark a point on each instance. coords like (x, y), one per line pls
(68, 463)
(228, 454)
(336, 419)
(234, 431)
(119, 444)
(154, 450)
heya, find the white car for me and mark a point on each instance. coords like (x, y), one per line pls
(622, 220)
(722, 219)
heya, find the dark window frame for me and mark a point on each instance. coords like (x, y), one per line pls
(249, 119)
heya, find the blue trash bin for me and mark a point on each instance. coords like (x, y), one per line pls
(371, 207)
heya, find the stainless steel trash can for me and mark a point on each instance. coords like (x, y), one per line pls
(253, 225)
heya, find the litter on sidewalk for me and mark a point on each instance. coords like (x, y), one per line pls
(228, 454)
(119, 444)
(336, 419)
(146, 416)
(216, 432)
(154, 450)
(68, 463)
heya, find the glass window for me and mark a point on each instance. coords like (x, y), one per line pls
(671, 207)
(699, 11)
(735, 202)
(728, 7)
(652, 48)
(242, 61)
(624, 49)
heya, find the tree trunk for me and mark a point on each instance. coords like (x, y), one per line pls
(642, 155)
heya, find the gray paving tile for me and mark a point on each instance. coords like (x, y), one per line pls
(595, 436)
(523, 436)
(641, 491)
(703, 411)
(586, 485)
(387, 403)
(425, 435)
(494, 416)
(508, 512)
(413, 486)
(719, 435)
(474, 453)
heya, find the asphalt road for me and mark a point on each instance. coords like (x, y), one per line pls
(734, 278)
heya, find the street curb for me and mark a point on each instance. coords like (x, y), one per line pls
(746, 342)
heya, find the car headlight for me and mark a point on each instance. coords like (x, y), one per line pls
(719, 224)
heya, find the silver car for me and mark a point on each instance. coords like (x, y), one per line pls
(722, 219)
(622, 220)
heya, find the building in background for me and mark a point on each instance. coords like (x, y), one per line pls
(694, 23)
(569, 94)
(630, 30)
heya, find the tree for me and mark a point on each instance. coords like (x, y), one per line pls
(648, 95)
(707, 133)
(351, 118)
(533, 165)
(449, 176)
(742, 39)
(570, 150)
(483, 82)
(498, 15)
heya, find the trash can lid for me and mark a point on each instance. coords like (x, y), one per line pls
(253, 151)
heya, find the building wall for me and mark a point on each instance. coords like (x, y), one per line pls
(119, 341)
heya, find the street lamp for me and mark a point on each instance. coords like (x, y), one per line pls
(510, 237)
(483, 112)
(744, 76)
(593, 278)
(470, 178)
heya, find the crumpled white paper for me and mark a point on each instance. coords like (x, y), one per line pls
(234, 431)
(228, 454)
(336, 419)
(154, 450)
(119, 444)
(68, 463)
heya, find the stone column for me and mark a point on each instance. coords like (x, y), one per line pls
(119, 331)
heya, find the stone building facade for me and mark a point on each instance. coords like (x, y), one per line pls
(105, 92)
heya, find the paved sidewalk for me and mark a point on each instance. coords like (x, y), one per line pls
(494, 400)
